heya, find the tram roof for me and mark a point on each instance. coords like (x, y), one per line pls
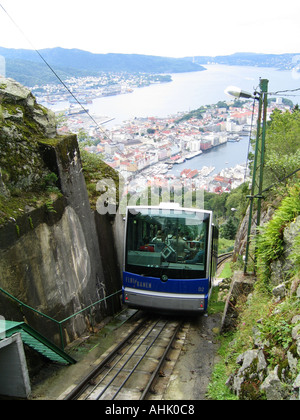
(169, 206)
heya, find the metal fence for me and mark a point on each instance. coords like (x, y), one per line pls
(59, 323)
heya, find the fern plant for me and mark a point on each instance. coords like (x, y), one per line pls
(270, 242)
(295, 255)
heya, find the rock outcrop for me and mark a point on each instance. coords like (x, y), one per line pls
(255, 379)
(22, 123)
(269, 369)
(50, 257)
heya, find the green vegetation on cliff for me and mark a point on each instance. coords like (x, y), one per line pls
(268, 319)
(95, 170)
(271, 241)
(26, 129)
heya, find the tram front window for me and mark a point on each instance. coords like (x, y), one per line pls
(172, 242)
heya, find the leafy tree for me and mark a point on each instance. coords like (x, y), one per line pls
(282, 146)
(150, 130)
(216, 203)
(229, 229)
(283, 134)
(237, 200)
(61, 120)
(82, 135)
(222, 104)
(282, 155)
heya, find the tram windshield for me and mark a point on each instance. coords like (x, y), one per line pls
(167, 242)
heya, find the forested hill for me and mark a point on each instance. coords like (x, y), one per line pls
(279, 61)
(27, 67)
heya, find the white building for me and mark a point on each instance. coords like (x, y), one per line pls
(194, 145)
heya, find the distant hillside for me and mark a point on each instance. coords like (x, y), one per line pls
(280, 61)
(29, 73)
(27, 67)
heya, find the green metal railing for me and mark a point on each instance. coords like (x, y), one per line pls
(59, 323)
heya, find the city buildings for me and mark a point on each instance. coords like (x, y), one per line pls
(148, 148)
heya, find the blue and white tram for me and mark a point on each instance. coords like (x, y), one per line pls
(170, 258)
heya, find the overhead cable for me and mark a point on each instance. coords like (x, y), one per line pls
(52, 70)
(284, 91)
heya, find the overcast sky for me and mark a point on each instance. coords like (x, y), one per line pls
(173, 28)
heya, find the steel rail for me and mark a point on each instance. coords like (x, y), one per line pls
(224, 257)
(158, 367)
(142, 357)
(111, 357)
(124, 364)
(82, 386)
(148, 334)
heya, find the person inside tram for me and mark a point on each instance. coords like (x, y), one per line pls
(181, 246)
(199, 257)
(158, 237)
(158, 241)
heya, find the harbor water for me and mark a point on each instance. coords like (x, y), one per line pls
(227, 155)
(189, 91)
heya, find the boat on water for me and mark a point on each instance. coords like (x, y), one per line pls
(206, 170)
(82, 100)
(177, 162)
(76, 110)
(193, 155)
(233, 138)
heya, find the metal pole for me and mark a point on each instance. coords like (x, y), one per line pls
(264, 88)
(259, 149)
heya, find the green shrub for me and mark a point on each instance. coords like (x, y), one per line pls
(270, 241)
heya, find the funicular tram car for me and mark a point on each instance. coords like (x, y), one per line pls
(170, 258)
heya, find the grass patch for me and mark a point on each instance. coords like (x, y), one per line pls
(13, 207)
(225, 245)
(260, 314)
(217, 389)
(94, 170)
(235, 343)
(215, 306)
(227, 271)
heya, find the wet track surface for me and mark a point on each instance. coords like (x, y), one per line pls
(131, 370)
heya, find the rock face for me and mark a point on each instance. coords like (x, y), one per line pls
(251, 373)
(255, 376)
(240, 286)
(58, 252)
(23, 122)
(23, 105)
(241, 237)
(50, 257)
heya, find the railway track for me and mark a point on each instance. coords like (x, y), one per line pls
(131, 369)
(224, 257)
